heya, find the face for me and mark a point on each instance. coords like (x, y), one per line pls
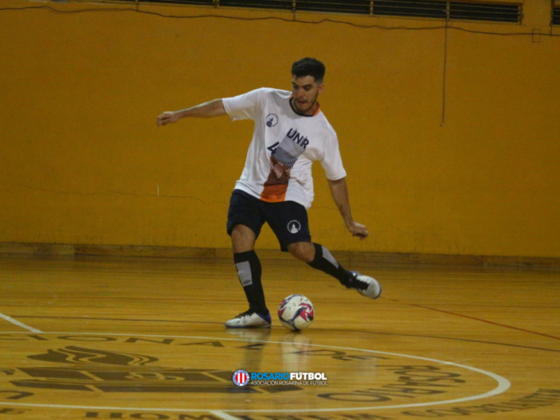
(305, 92)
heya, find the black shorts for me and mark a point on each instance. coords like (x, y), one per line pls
(288, 219)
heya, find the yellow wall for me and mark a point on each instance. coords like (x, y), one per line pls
(474, 171)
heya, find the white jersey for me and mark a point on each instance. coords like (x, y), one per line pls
(284, 145)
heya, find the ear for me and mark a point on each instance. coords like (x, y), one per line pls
(321, 88)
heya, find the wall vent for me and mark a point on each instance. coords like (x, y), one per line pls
(458, 10)
(196, 2)
(337, 6)
(261, 4)
(556, 15)
(436, 9)
(411, 8)
(492, 12)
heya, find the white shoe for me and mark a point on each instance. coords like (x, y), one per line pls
(249, 319)
(365, 285)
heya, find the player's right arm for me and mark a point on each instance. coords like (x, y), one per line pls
(213, 108)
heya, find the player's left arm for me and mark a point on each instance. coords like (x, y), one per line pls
(339, 192)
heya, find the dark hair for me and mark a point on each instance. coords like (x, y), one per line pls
(309, 67)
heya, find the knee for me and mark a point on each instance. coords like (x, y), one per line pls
(242, 239)
(304, 251)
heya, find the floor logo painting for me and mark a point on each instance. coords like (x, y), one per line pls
(100, 375)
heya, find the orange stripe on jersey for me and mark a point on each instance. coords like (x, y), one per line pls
(274, 193)
(318, 109)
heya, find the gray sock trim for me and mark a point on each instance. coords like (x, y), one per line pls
(328, 256)
(244, 273)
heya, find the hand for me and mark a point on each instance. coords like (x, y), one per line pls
(359, 230)
(167, 118)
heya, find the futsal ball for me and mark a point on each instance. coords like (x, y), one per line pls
(296, 312)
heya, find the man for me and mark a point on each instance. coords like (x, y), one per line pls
(276, 184)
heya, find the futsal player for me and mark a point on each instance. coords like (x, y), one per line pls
(276, 186)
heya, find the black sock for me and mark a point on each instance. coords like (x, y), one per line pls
(249, 271)
(325, 262)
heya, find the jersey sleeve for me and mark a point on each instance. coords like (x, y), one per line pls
(332, 161)
(245, 106)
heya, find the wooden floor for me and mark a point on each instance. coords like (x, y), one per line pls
(137, 338)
